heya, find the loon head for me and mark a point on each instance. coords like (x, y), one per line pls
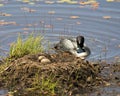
(80, 41)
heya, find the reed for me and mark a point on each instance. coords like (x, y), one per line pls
(31, 45)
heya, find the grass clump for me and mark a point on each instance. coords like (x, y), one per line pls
(31, 45)
(45, 85)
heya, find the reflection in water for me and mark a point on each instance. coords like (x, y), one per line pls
(97, 20)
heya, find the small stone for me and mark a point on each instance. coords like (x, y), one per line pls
(45, 60)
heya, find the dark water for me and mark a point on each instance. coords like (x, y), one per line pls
(63, 19)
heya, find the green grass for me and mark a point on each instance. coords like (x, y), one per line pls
(31, 45)
(46, 86)
(43, 86)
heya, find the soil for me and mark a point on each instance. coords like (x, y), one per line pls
(72, 75)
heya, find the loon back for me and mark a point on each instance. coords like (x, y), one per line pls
(66, 45)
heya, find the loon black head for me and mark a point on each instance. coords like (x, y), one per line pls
(80, 41)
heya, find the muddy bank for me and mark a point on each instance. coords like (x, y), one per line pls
(60, 74)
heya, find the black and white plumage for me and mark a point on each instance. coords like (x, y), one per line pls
(75, 46)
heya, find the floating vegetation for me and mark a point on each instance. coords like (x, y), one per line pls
(48, 26)
(110, 0)
(78, 23)
(26, 1)
(74, 17)
(26, 9)
(113, 0)
(107, 17)
(3, 22)
(49, 2)
(31, 3)
(59, 19)
(87, 2)
(5, 14)
(25, 29)
(51, 12)
(67, 1)
(94, 4)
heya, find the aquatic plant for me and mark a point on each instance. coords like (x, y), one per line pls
(31, 45)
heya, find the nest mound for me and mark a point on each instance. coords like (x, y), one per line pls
(70, 74)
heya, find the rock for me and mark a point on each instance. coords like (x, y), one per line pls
(45, 60)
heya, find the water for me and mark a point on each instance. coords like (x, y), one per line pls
(3, 92)
(63, 19)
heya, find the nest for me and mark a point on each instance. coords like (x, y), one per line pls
(69, 72)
